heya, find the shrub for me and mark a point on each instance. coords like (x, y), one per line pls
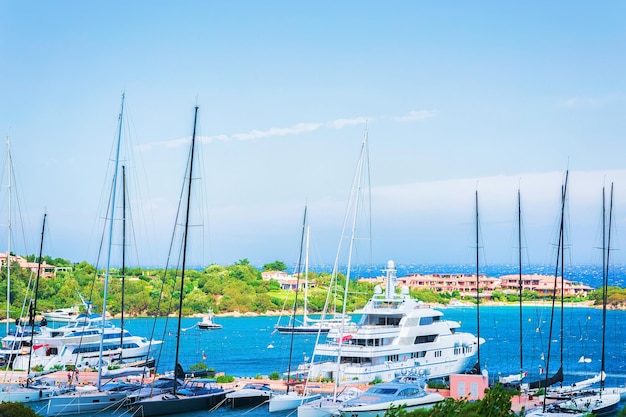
(223, 379)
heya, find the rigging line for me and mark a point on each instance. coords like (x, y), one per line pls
(32, 333)
(108, 262)
(295, 303)
(20, 211)
(558, 259)
(165, 273)
(184, 249)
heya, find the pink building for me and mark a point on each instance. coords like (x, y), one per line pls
(45, 272)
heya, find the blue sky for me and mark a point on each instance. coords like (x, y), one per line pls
(457, 96)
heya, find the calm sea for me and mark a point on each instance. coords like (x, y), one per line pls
(247, 346)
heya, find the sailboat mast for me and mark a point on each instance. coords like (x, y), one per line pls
(108, 267)
(32, 333)
(123, 277)
(521, 285)
(605, 279)
(477, 288)
(8, 234)
(390, 286)
(563, 270)
(559, 258)
(306, 276)
(295, 302)
(182, 276)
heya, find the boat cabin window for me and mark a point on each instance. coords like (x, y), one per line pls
(425, 339)
(388, 321)
(384, 391)
(424, 321)
(419, 354)
(409, 392)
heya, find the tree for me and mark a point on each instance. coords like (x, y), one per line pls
(275, 266)
(16, 409)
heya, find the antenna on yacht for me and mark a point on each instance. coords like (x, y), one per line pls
(390, 289)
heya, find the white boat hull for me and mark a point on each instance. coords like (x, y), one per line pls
(290, 401)
(323, 407)
(378, 409)
(24, 395)
(84, 403)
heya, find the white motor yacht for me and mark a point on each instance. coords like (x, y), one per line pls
(395, 334)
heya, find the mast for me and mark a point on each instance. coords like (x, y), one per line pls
(34, 305)
(295, 302)
(561, 337)
(390, 288)
(9, 234)
(521, 286)
(108, 267)
(123, 256)
(559, 258)
(477, 290)
(306, 276)
(605, 279)
(182, 276)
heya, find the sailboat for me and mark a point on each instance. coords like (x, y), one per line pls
(557, 377)
(329, 405)
(32, 391)
(308, 324)
(95, 399)
(292, 399)
(196, 393)
(596, 402)
(516, 379)
(600, 401)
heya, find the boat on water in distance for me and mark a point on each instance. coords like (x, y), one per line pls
(395, 334)
(62, 315)
(207, 322)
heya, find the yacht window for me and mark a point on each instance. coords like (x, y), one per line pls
(408, 392)
(425, 339)
(385, 391)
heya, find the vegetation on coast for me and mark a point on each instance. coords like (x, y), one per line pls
(496, 403)
(237, 288)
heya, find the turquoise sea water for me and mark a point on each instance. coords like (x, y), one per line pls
(247, 346)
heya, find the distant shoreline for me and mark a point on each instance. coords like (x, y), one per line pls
(236, 314)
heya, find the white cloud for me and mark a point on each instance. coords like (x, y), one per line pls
(297, 129)
(341, 123)
(416, 115)
(584, 102)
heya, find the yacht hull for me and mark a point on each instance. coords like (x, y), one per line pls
(290, 401)
(84, 403)
(168, 404)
